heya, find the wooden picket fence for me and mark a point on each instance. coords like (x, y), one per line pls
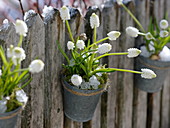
(122, 105)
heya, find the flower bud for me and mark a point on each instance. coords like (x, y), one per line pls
(36, 66)
(113, 35)
(133, 52)
(21, 27)
(76, 80)
(132, 31)
(105, 47)
(80, 44)
(94, 21)
(163, 24)
(163, 33)
(147, 74)
(70, 45)
(64, 13)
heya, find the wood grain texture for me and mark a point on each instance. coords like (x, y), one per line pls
(55, 31)
(35, 48)
(123, 105)
(165, 104)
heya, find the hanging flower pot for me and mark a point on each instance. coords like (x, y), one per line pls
(79, 105)
(84, 73)
(159, 67)
(9, 119)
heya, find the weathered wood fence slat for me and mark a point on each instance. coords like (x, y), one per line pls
(122, 105)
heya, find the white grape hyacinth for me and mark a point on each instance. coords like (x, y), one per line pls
(149, 36)
(70, 45)
(21, 96)
(19, 53)
(119, 2)
(64, 13)
(36, 66)
(163, 33)
(47, 10)
(163, 24)
(133, 52)
(113, 35)
(76, 80)
(10, 51)
(105, 47)
(21, 27)
(94, 21)
(80, 44)
(3, 106)
(147, 74)
(133, 32)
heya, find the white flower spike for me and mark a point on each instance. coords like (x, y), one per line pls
(80, 44)
(163, 24)
(105, 47)
(70, 45)
(94, 21)
(119, 2)
(64, 13)
(133, 32)
(113, 35)
(10, 51)
(19, 53)
(21, 96)
(36, 66)
(21, 27)
(147, 74)
(149, 36)
(133, 52)
(163, 33)
(76, 80)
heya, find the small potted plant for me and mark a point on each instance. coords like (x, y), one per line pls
(84, 76)
(155, 54)
(13, 79)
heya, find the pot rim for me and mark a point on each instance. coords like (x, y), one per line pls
(10, 114)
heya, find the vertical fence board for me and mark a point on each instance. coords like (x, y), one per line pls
(165, 103)
(33, 114)
(140, 98)
(125, 80)
(156, 110)
(111, 23)
(53, 96)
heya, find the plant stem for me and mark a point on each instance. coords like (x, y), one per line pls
(20, 40)
(134, 18)
(94, 36)
(69, 31)
(115, 69)
(97, 42)
(110, 54)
